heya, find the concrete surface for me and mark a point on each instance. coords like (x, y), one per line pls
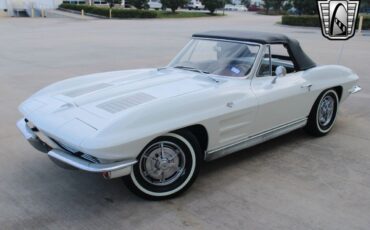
(293, 182)
(66, 14)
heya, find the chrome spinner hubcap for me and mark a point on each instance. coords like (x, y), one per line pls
(326, 110)
(162, 163)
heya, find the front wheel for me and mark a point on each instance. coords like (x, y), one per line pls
(323, 114)
(166, 167)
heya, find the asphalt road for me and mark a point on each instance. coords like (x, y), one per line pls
(292, 182)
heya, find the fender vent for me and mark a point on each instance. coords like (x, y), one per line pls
(122, 103)
(85, 90)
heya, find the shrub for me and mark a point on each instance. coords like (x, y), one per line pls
(139, 4)
(119, 13)
(304, 20)
(184, 14)
(173, 4)
(305, 6)
(116, 13)
(314, 21)
(212, 5)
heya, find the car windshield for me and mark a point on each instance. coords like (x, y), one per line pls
(225, 58)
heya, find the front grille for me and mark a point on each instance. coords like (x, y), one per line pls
(66, 147)
(78, 154)
(89, 158)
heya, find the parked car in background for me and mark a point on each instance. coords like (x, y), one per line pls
(254, 7)
(195, 5)
(231, 7)
(224, 92)
(126, 4)
(242, 8)
(293, 11)
(365, 10)
(155, 4)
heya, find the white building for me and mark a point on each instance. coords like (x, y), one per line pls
(5, 7)
(12, 7)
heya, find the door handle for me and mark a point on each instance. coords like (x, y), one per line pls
(306, 86)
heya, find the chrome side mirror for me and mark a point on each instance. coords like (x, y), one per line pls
(280, 71)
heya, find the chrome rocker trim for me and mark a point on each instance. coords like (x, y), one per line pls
(121, 168)
(255, 139)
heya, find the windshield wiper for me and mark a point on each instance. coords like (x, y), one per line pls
(190, 68)
(193, 69)
(199, 71)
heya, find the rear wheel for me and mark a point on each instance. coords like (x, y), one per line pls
(166, 167)
(323, 114)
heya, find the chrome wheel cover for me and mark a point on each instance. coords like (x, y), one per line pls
(326, 110)
(162, 163)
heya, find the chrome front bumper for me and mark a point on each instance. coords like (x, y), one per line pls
(46, 145)
(32, 138)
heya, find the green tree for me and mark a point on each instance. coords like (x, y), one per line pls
(173, 4)
(364, 4)
(267, 5)
(275, 4)
(308, 7)
(139, 4)
(278, 4)
(287, 5)
(212, 5)
(246, 3)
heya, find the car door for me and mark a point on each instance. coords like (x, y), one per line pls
(282, 101)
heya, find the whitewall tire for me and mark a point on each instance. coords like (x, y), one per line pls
(166, 167)
(323, 114)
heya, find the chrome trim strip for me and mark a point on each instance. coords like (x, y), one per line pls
(255, 139)
(85, 165)
(355, 89)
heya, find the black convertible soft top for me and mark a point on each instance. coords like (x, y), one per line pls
(300, 58)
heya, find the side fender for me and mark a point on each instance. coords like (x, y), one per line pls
(329, 76)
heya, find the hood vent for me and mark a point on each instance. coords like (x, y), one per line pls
(85, 90)
(122, 103)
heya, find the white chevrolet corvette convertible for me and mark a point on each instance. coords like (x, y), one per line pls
(225, 91)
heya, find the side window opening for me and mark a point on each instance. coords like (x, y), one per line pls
(265, 68)
(280, 57)
(275, 55)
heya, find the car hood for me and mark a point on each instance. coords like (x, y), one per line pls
(98, 99)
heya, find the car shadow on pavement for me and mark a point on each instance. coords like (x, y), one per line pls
(86, 195)
(265, 150)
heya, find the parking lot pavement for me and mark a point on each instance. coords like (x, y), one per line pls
(292, 182)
